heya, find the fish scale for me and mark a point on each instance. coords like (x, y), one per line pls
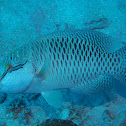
(80, 58)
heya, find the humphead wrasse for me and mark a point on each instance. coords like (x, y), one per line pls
(82, 60)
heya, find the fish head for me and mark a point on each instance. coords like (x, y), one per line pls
(15, 77)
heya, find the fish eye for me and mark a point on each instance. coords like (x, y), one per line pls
(8, 66)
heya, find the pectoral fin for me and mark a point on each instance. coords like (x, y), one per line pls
(44, 72)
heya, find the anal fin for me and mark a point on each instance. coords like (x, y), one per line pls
(54, 98)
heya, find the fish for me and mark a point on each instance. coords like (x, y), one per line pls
(84, 61)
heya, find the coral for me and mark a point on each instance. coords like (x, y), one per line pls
(19, 110)
(77, 114)
(108, 117)
(30, 97)
(28, 109)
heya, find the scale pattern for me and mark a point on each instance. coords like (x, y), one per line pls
(79, 58)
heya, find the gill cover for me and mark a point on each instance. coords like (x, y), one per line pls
(16, 73)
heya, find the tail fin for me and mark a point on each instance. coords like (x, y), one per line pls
(121, 82)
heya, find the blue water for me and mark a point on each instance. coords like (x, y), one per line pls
(23, 22)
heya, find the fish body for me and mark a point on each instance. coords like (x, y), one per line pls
(82, 60)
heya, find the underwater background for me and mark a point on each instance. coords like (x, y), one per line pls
(23, 21)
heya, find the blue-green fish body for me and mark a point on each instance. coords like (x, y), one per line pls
(82, 60)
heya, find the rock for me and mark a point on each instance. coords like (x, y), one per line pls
(121, 118)
(65, 114)
(57, 122)
(107, 115)
(3, 97)
(108, 118)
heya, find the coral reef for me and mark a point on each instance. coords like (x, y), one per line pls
(19, 110)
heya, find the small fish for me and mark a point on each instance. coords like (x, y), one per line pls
(84, 61)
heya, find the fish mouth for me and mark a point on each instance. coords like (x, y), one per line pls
(11, 69)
